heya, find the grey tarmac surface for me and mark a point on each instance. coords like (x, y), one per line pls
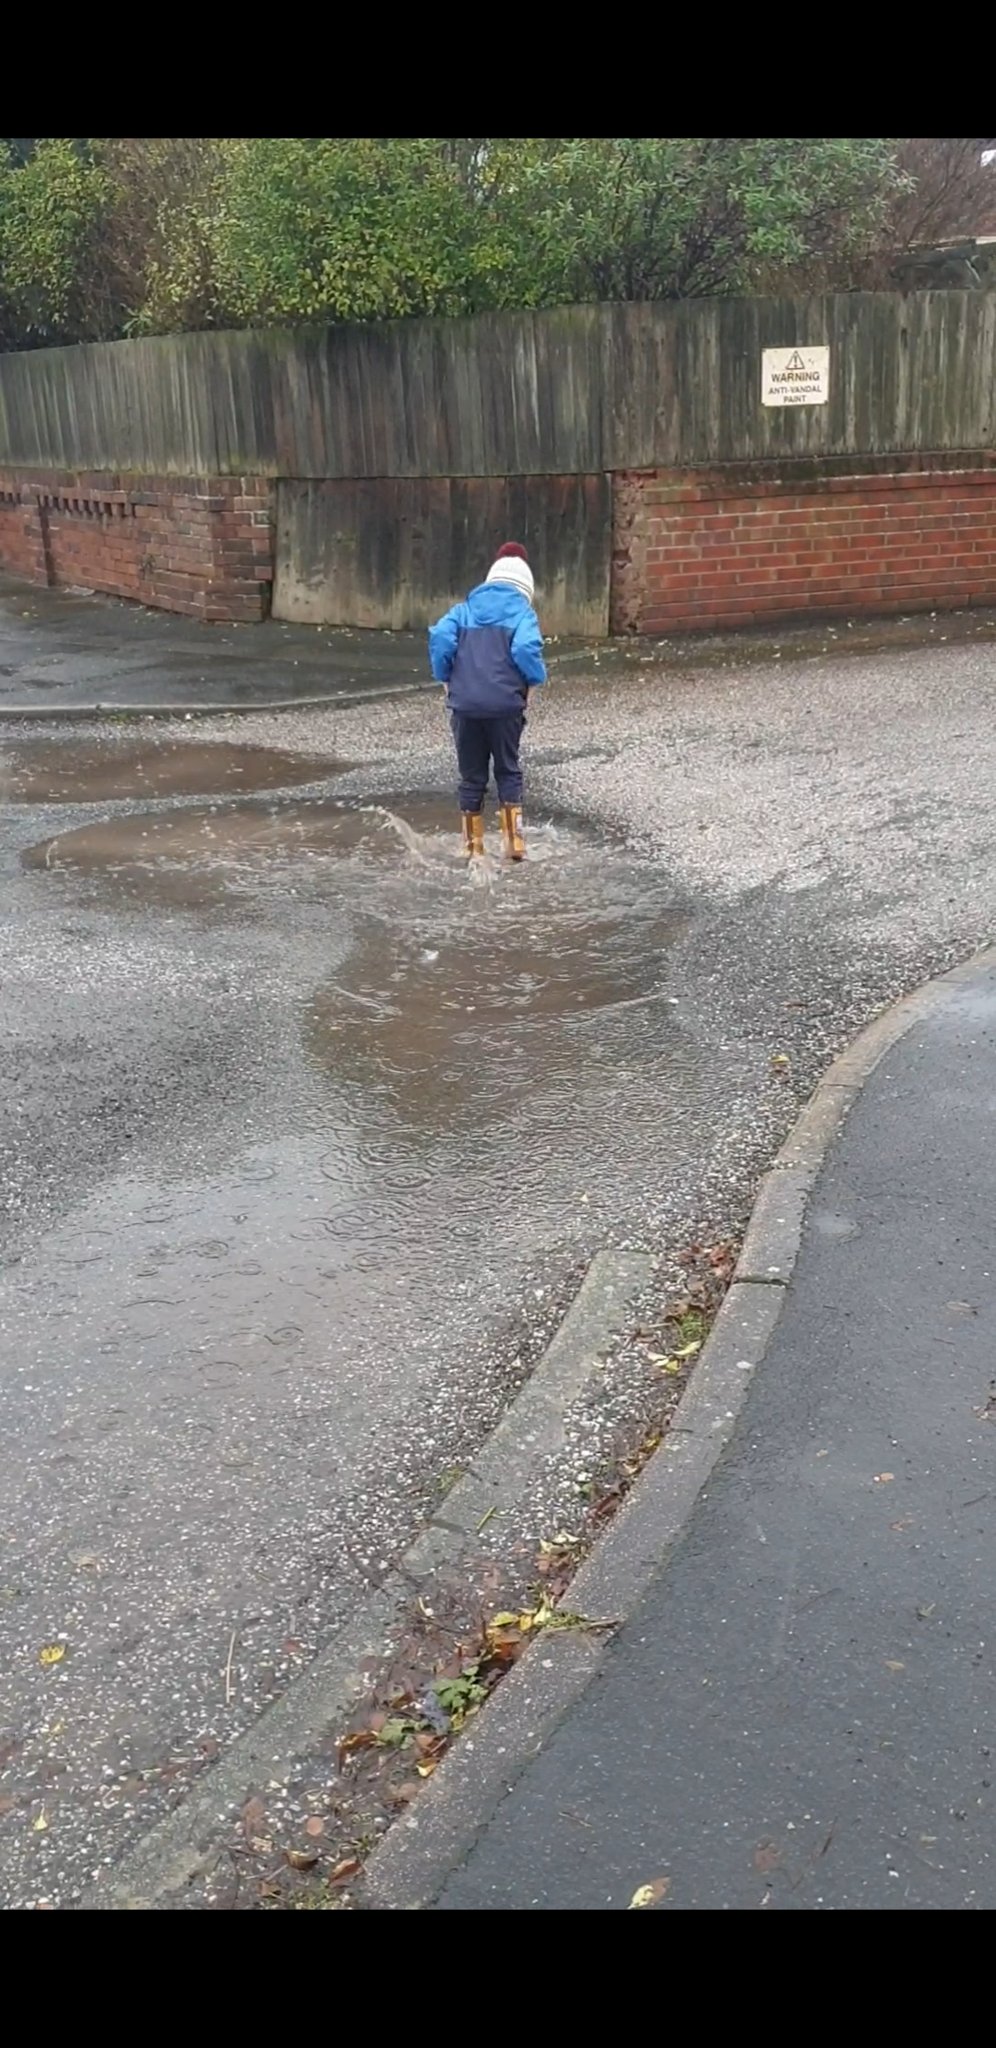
(65, 653)
(799, 1714)
(308, 1138)
(61, 650)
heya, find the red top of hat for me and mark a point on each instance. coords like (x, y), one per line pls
(512, 547)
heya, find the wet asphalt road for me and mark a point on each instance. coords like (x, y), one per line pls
(307, 1134)
(61, 650)
(799, 1716)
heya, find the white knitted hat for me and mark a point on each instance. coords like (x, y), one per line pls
(511, 569)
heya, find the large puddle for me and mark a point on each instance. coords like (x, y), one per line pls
(105, 771)
(488, 998)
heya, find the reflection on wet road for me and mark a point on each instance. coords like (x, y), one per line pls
(254, 1333)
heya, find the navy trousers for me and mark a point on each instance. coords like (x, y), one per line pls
(481, 742)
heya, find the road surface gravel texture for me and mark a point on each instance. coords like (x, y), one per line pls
(799, 1714)
(309, 1134)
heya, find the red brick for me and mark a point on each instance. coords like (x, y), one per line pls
(719, 546)
(186, 544)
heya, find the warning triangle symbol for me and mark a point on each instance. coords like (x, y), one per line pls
(795, 362)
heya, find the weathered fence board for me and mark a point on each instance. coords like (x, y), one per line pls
(396, 553)
(572, 392)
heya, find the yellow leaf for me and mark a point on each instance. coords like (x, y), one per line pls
(649, 1894)
(526, 1622)
(689, 1350)
(504, 1621)
(39, 1826)
(426, 1770)
(52, 1653)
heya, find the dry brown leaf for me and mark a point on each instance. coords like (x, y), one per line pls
(767, 1856)
(346, 1867)
(362, 1738)
(315, 1826)
(253, 1816)
(649, 1894)
(301, 1859)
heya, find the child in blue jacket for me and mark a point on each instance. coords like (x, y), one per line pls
(489, 653)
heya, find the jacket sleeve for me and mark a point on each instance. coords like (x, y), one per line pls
(443, 639)
(526, 649)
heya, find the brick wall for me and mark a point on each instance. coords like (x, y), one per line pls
(200, 545)
(747, 544)
(692, 549)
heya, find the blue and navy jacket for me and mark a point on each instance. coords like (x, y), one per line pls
(488, 652)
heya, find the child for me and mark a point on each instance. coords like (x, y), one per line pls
(489, 653)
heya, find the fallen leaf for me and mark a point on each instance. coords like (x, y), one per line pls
(52, 1653)
(315, 1826)
(426, 1770)
(253, 1816)
(893, 1664)
(504, 1621)
(924, 1612)
(39, 1825)
(362, 1738)
(403, 1794)
(301, 1859)
(883, 1478)
(346, 1867)
(394, 1732)
(767, 1856)
(649, 1894)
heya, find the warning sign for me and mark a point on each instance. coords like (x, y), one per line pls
(795, 376)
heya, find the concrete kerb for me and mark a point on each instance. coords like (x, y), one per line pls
(409, 1868)
(158, 1868)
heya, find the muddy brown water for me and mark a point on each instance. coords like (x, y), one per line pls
(102, 771)
(461, 997)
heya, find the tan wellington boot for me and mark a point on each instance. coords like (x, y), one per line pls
(473, 832)
(511, 831)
